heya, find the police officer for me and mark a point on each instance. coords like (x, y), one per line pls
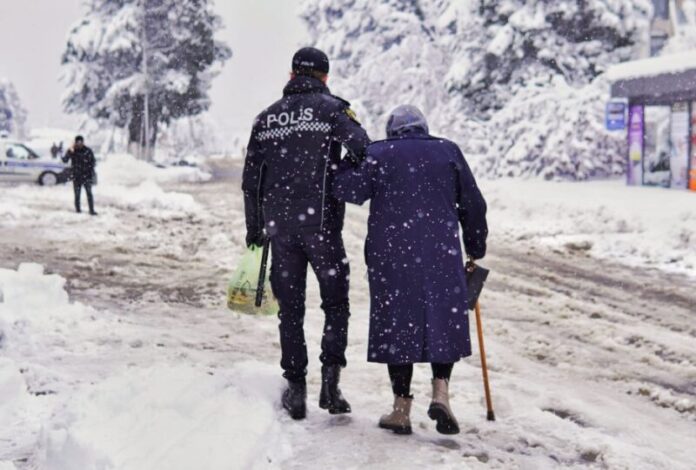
(292, 156)
(83, 164)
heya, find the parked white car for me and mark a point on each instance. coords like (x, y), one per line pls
(20, 163)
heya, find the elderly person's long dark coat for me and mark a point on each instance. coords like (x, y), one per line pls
(421, 190)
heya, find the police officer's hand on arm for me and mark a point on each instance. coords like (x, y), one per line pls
(348, 130)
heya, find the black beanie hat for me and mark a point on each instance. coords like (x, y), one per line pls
(310, 59)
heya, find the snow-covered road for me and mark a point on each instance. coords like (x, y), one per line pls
(593, 364)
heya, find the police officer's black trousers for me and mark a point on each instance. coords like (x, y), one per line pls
(290, 256)
(77, 186)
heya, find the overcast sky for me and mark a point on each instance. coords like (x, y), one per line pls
(263, 34)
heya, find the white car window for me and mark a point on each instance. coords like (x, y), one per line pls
(18, 152)
(32, 154)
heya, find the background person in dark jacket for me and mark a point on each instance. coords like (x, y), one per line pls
(83, 163)
(421, 190)
(293, 153)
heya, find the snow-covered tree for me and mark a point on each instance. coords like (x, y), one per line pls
(192, 136)
(382, 53)
(684, 38)
(128, 55)
(518, 42)
(554, 132)
(13, 116)
(474, 67)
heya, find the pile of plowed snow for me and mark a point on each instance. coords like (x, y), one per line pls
(125, 169)
(124, 182)
(141, 415)
(174, 417)
(129, 183)
(637, 226)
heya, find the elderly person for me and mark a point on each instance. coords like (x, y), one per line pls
(421, 189)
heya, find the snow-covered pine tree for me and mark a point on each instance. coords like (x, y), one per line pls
(684, 38)
(513, 82)
(533, 41)
(382, 53)
(533, 76)
(13, 116)
(126, 55)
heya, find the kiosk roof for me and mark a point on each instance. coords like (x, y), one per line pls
(658, 80)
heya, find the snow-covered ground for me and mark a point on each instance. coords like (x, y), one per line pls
(68, 397)
(124, 182)
(638, 226)
(127, 357)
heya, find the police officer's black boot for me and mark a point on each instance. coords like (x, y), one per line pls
(295, 399)
(331, 397)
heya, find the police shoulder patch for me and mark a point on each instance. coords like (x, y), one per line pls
(351, 114)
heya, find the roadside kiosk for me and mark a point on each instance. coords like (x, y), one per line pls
(659, 97)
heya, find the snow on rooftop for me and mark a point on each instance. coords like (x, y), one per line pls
(673, 63)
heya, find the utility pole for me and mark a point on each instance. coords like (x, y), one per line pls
(146, 99)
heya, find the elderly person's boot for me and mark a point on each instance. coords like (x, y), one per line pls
(440, 410)
(399, 419)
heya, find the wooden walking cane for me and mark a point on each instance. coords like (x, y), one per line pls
(490, 416)
(262, 273)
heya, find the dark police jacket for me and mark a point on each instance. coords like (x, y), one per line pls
(292, 156)
(82, 163)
